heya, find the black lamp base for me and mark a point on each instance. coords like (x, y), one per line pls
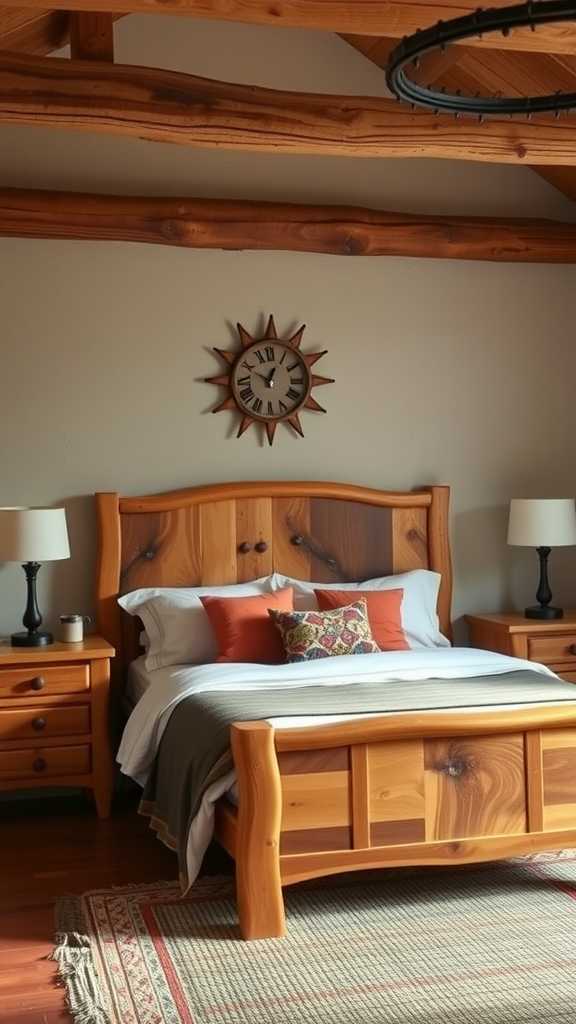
(32, 639)
(544, 612)
(34, 636)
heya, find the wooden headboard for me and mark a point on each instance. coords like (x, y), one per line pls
(228, 533)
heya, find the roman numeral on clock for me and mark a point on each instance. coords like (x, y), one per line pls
(296, 380)
(257, 404)
(270, 409)
(244, 382)
(270, 353)
(259, 356)
(292, 394)
(247, 395)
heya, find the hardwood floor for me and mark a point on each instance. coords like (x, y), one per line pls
(49, 847)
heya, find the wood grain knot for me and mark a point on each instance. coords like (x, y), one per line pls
(354, 246)
(173, 230)
(455, 767)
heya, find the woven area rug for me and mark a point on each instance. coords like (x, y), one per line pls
(494, 944)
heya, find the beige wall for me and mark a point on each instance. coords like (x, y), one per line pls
(455, 372)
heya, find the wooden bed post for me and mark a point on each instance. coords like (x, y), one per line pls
(439, 546)
(108, 567)
(258, 882)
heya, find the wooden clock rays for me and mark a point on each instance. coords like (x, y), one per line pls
(269, 380)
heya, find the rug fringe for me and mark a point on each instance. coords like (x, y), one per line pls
(76, 971)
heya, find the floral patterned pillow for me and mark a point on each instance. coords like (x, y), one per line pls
(311, 635)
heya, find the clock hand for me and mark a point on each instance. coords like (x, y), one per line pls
(270, 380)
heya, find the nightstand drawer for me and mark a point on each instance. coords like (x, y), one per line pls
(43, 680)
(550, 649)
(46, 762)
(28, 723)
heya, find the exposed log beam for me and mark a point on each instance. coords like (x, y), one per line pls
(91, 36)
(36, 32)
(228, 224)
(367, 17)
(167, 106)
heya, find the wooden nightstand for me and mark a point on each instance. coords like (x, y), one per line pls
(552, 643)
(54, 717)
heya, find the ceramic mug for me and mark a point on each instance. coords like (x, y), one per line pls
(72, 628)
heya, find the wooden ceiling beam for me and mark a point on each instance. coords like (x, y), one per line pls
(38, 33)
(91, 36)
(229, 224)
(167, 106)
(35, 32)
(394, 18)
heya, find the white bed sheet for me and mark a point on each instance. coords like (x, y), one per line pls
(161, 690)
(139, 680)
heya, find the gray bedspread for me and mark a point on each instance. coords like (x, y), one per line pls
(195, 748)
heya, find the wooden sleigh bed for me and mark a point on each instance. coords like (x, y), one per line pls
(427, 788)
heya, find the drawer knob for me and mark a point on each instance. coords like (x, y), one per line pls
(261, 547)
(39, 764)
(38, 724)
(38, 683)
(572, 648)
(244, 547)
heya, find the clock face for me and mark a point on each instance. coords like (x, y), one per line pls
(270, 380)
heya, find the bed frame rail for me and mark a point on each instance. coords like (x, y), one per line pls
(421, 789)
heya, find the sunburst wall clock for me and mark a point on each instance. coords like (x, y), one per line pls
(269, 380)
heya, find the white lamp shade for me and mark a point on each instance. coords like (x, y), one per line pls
(542, 522)
(33, 535)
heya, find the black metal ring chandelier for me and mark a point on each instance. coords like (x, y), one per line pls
(479, 23)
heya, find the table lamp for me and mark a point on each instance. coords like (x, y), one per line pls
(542, 523)
(32, 536)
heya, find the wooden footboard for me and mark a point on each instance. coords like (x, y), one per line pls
(431, 788)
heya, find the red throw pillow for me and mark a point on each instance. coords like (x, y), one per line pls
(383, 613)
(244, 630)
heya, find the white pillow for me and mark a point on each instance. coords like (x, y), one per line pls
(176, 625)
(419, 603)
